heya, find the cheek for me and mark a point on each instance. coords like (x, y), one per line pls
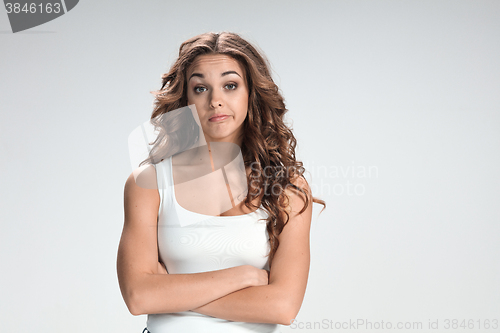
(238, 103)
(244, 109)
(245, 105)
(243, 101)
(190, 96)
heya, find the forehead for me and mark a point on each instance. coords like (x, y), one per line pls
(216, 62)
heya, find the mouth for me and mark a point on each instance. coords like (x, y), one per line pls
(218, 117)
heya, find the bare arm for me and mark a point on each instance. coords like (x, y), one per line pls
(144, 290)
(280, 300)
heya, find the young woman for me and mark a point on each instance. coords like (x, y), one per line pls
(245, 269)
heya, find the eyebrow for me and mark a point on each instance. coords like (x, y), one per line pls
(223, 74)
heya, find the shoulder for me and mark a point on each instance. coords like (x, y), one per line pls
(141, 186)
(298, 202)
(301, 182)
(143, 177)
(298, 190)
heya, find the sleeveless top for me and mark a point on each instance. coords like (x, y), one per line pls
(190, 242)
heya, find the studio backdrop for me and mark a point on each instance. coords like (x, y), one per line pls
(396, 109)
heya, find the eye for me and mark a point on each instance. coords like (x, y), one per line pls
(231, 86)
(198, 90)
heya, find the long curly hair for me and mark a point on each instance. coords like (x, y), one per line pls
(268, 145)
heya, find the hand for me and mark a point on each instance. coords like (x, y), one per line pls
(256, 276)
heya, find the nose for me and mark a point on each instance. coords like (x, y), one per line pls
(215, 100)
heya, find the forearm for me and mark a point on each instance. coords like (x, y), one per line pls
(261, 304)
(167, 293)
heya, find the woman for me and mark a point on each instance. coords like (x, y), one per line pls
(217, 276)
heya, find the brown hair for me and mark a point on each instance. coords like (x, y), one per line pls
(268, 144)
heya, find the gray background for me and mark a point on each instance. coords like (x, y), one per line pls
(408, 88)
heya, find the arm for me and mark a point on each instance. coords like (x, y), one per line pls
(279, 301)
(143, 289)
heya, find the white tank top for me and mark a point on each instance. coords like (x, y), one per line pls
(189, 242)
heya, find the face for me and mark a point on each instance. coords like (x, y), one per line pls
(216, 85)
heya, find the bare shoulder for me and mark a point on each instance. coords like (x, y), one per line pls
(301, 183)
(144, 177)
(298, 194)
(141, 199)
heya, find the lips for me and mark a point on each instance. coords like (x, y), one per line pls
(219, 117)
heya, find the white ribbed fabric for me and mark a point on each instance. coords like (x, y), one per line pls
(191, 243)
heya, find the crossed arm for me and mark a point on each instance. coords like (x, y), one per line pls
(236, 294)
